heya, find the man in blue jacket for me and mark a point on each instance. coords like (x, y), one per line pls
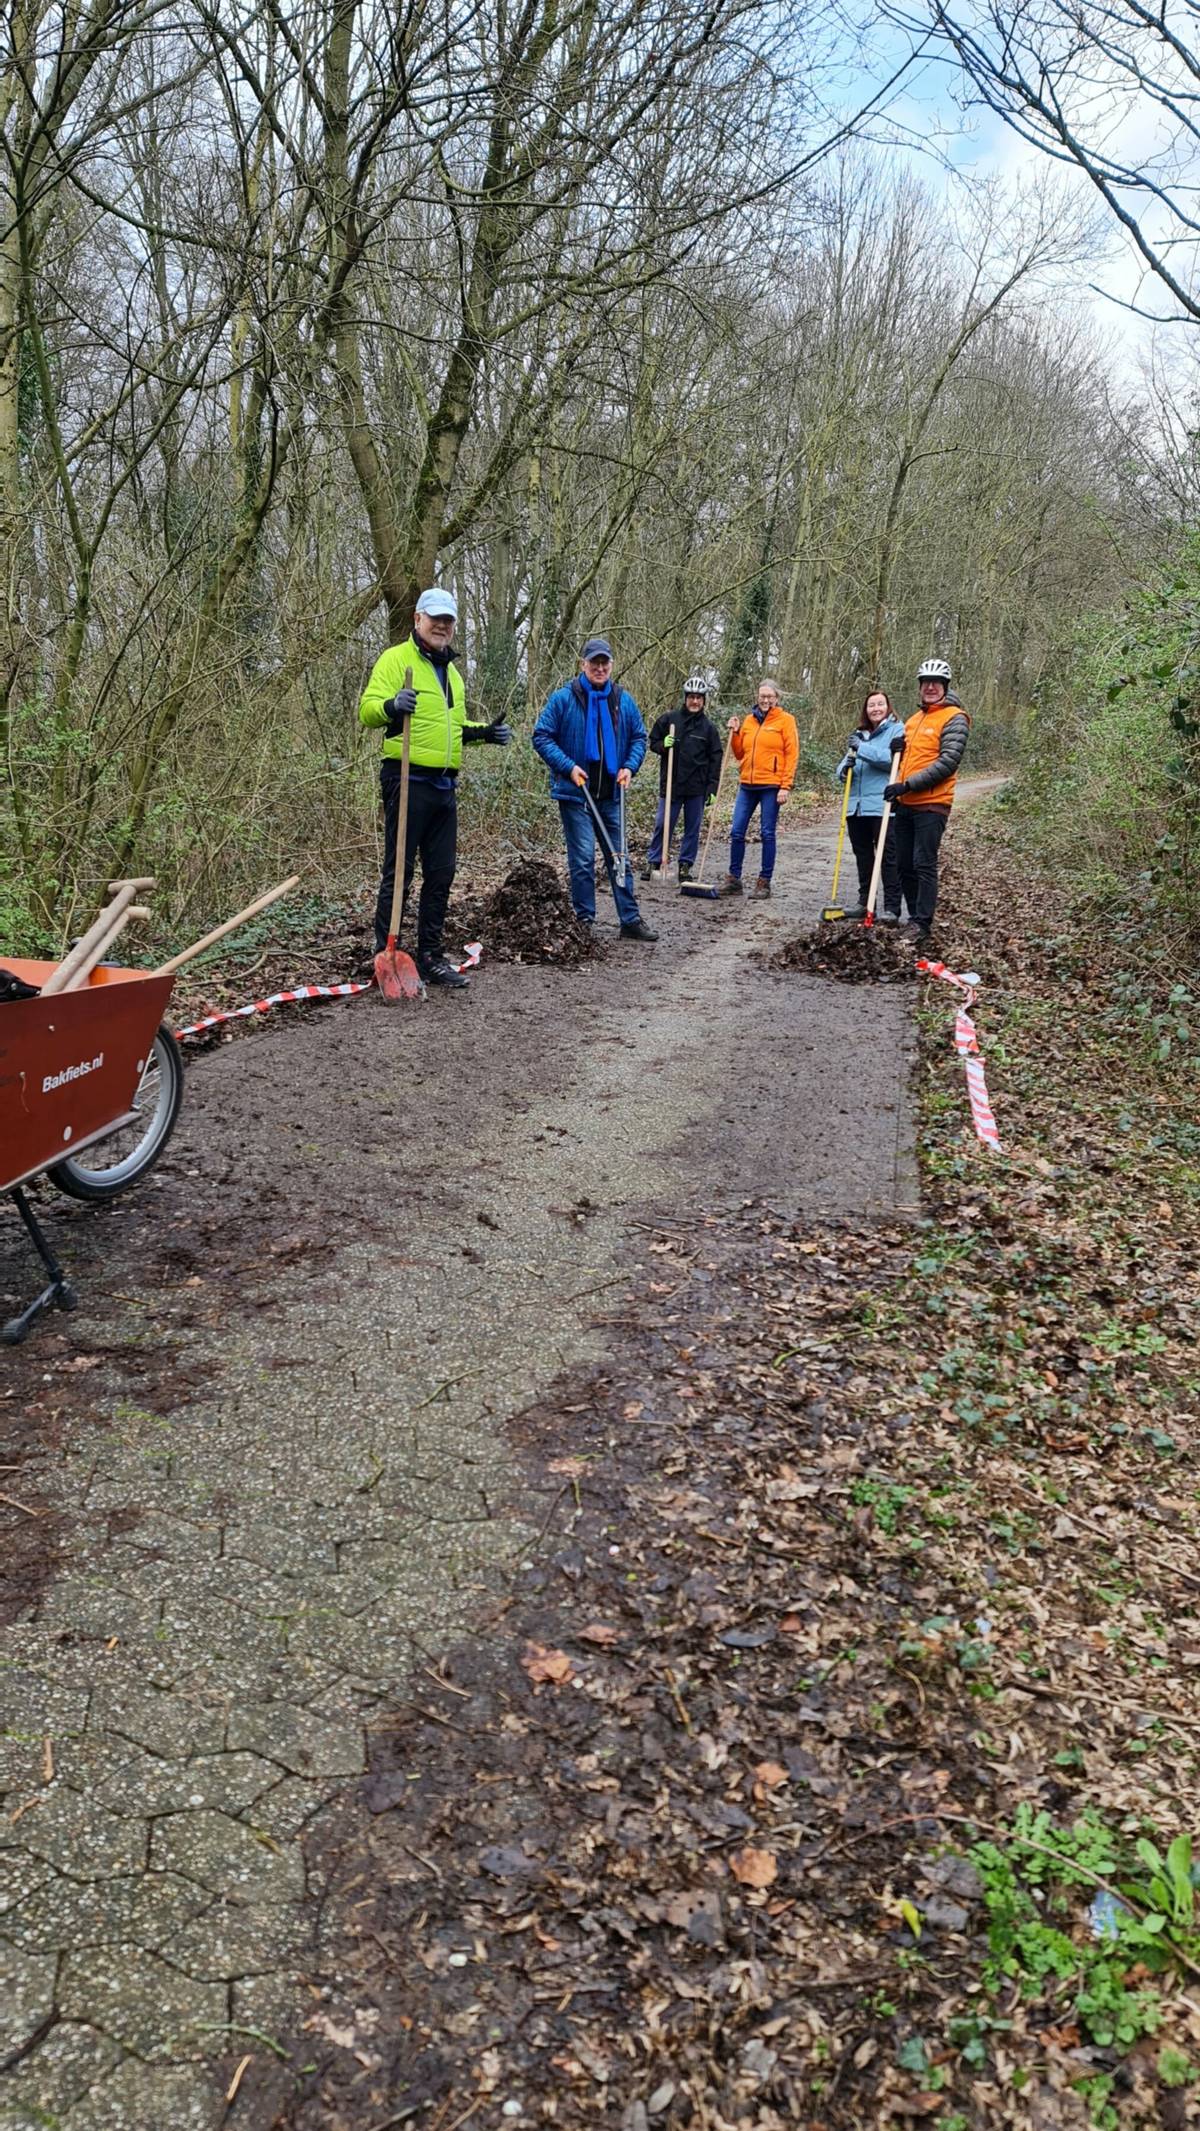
(591, 738)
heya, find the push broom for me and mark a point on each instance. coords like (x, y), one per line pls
(698, 886)
(833, 908)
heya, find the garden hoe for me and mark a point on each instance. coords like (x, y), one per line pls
(396, 973)
(666, 842)
(833, 908)
(881, 839)
(698, 887)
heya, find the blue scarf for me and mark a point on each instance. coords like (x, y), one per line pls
(600, 731)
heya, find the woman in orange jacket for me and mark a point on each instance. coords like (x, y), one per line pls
(767, 745)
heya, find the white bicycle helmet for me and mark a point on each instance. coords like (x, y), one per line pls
(934, 670)
(696, 684)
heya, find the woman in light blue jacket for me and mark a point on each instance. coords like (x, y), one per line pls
(868, 758)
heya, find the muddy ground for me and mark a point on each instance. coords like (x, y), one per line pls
(265, 1475)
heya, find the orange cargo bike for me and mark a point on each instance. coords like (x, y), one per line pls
(90, 1087)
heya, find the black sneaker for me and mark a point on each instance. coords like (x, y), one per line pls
(646, 870)
(640, 931)
(889, 917)
(685, 872)
(440, 971)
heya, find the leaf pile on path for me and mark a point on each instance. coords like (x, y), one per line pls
(836, 1763)
(527, 918)
(851, 953)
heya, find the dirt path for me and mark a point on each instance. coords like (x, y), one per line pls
(272, 1440)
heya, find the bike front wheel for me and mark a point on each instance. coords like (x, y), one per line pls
(111, 1165)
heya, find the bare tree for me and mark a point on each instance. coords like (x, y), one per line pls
(1109, 87)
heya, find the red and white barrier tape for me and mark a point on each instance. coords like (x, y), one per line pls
(966, 1043)
(471, 958)
(263, 1006)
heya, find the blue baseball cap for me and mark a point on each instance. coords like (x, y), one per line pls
(438, 605)
(597, 647)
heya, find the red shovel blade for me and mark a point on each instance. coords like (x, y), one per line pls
(396, 975)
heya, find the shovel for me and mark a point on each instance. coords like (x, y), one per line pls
(881, 839)
(396, 973)
(666, 842)
(833, 908)
(601, 831)
(697, 887)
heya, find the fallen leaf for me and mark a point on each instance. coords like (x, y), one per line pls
(770, 1774)
(544, 1664)
(597, 1632)
(753, 1868)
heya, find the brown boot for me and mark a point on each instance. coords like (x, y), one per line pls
(731, 885)
(761, 889)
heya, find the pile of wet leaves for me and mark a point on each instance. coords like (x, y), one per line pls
(527, 918)
(851, 953)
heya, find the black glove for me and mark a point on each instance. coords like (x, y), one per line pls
(891, 791)
(898, 743)
(853, 743)
(400, 707)
(498, 733)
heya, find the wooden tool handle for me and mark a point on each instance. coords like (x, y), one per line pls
(60, 979)
(100, 952)
(401, 823)
(666, 842)
(712, 819)
(880, 841)
(219, 932)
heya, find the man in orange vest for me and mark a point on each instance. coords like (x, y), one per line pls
(935, 740)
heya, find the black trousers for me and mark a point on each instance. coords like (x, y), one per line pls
(433, 838)
(863, 831)
(919, 832)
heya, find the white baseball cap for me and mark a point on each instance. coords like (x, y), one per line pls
(438, 604)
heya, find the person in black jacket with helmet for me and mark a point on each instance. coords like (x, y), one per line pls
(689, 735)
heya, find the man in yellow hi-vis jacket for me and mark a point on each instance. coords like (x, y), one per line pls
(435, 710)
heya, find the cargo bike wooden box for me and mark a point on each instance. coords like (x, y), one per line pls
(90, 1087)
(91, 1078)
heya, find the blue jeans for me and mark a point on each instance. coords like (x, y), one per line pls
(749, 797)
(579, 835)
(693, 817)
